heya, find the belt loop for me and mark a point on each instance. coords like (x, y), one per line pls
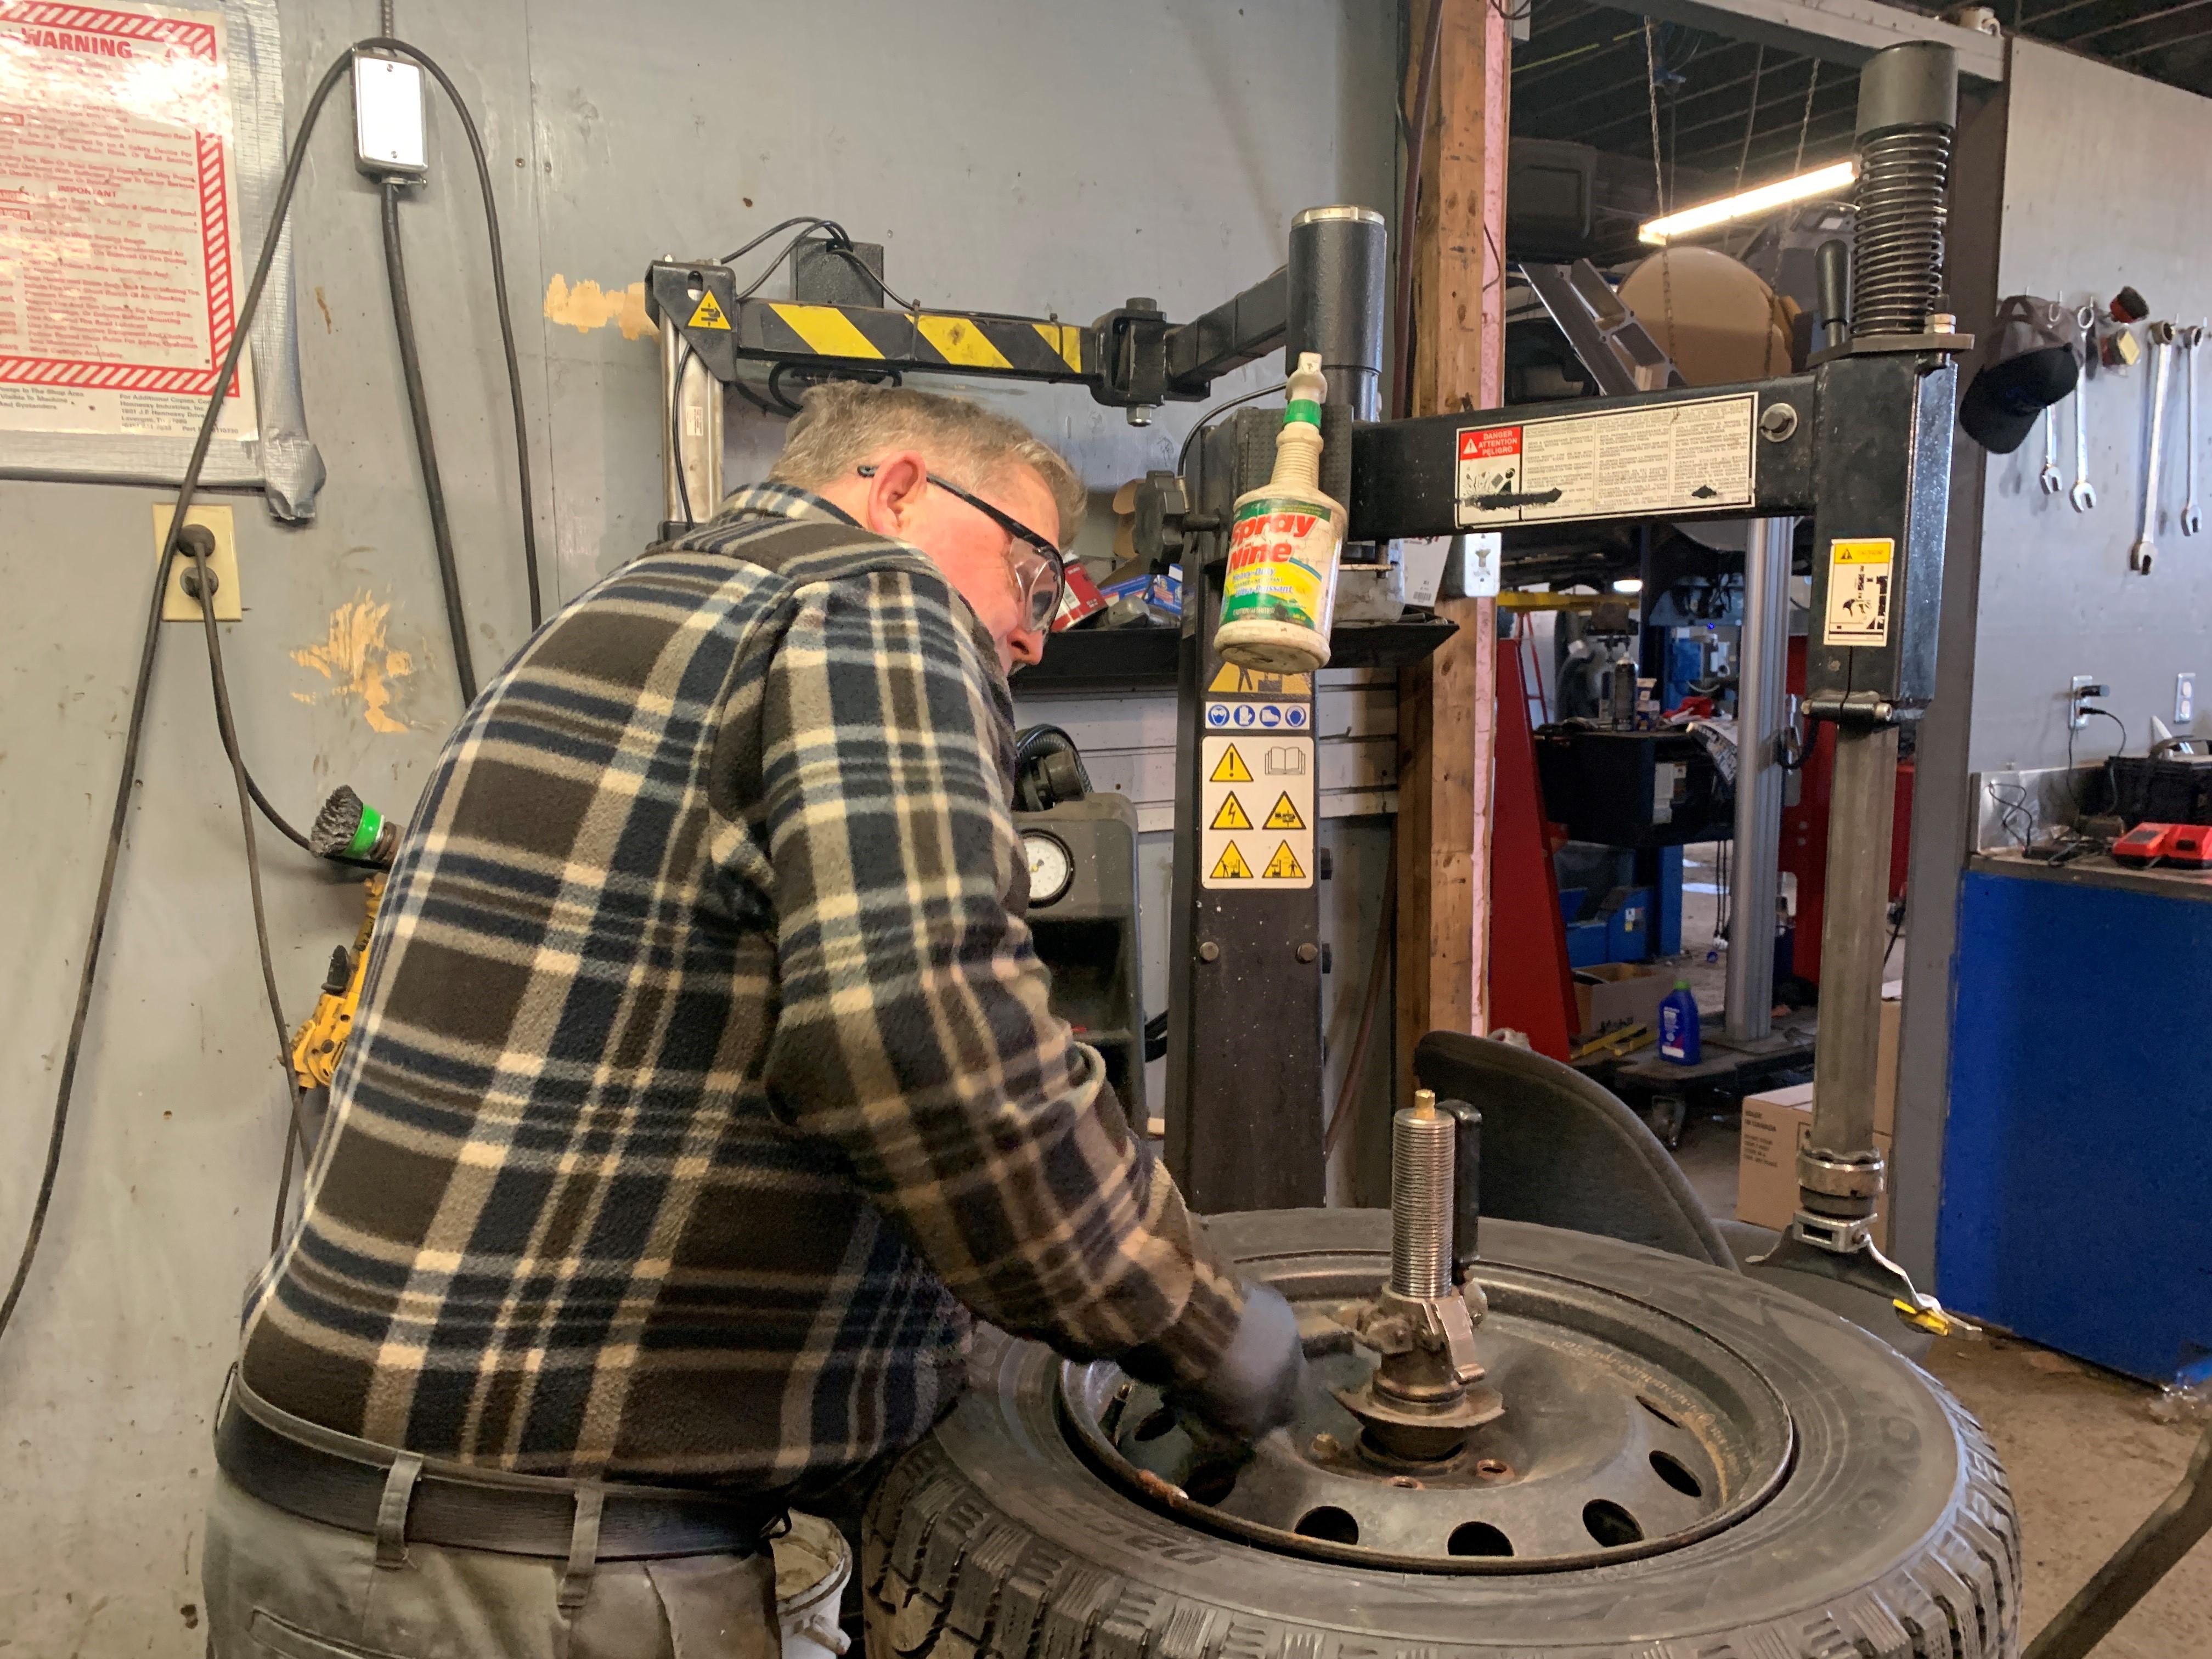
(583, 1547)
(392, 1510)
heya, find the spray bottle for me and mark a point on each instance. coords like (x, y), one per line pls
(1280, 593)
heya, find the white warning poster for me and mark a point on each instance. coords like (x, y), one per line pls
(1669, 457)
(119, 275)
(1256, 811)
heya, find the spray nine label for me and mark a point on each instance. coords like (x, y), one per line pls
(1279, 557)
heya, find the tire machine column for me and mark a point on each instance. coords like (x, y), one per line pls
(1877, 580)
(1244, 1106)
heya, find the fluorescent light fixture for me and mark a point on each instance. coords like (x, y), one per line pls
(1628, 584)
(1750, 203)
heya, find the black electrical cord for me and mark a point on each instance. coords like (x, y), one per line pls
(839, 241)
(426, 446)
(1183, 455)
(844, 251)
(759, 402)
(783, 253)
(197, 543)
(811, 222)
(1417, 137)
(2073, 783)
(676, 429)
(276, 820)
(387, 43)
(134, 731)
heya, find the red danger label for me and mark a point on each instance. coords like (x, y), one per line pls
(1490, 443)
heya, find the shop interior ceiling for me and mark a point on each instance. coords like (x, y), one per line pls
(1730, 114)
(1582, 75)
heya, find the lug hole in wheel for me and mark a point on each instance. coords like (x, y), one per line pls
(1610, 1524)
(1331, 1525)
(1645, 1400)
(1478, 1537)
(1211, 1485)
(1157, 1424)
(1669, 1468)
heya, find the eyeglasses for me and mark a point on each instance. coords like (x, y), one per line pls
(1039, 577)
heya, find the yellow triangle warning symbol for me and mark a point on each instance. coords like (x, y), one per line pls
(1285, 866)
(1231, 816)
(1285, 815)
(1235, 682)
(1231, 768)
(1231, 865)
(709, 314)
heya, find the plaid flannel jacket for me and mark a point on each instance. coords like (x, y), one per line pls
(703, 1069)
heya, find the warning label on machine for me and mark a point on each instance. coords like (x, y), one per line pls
(1257, 812)
(1858, 592)
(1671, 458)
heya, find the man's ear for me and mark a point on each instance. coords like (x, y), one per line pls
(896, 491)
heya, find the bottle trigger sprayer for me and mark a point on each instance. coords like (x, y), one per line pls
(1280, 592)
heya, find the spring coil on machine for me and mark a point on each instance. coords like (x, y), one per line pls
(1897, 268)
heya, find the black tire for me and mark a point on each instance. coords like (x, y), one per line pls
(1892, 1538)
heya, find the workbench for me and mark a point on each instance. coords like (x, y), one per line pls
(2078, 1136)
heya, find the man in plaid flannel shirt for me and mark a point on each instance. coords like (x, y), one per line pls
(704, 1083)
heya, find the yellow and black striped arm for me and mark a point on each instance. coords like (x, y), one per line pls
(1133, 355)
(960, 342)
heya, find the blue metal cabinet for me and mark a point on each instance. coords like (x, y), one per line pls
(2078, 1157)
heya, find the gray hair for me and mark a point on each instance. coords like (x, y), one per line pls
(843, 423)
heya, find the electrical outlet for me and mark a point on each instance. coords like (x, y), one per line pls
(2184, 702)
(2079, 690)
(177, 606)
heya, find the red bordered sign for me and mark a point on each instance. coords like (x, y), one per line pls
(70, 46)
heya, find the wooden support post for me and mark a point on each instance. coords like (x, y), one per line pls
(1447, 705)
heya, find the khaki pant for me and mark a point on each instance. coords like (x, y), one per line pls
(279, 1586)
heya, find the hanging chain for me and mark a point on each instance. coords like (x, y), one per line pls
(1811, 85)
(1659, 178)
(1750, 117)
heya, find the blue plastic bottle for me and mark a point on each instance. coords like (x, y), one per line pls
(1678, 1025)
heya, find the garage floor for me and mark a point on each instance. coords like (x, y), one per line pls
(2086, 1460)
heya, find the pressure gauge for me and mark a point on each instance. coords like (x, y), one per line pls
(1051, 868)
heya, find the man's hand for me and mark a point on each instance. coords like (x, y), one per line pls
(1254, 1386)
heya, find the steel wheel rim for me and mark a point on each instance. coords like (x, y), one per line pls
(1694, 1389)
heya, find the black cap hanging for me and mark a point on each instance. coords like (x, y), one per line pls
(2032, 360)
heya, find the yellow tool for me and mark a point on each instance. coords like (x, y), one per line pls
(1623, 1040)
(322, 1037)
(1931, 1318)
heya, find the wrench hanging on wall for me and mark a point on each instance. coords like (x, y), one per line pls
(2083, 494)
(2144, 553)
(2191, 520)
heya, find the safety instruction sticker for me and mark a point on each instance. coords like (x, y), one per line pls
(708, 313)
(1258, 716)
(1859, 582)
(1669, 457)
(1233, 681)
(1256, 811)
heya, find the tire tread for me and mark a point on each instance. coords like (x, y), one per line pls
(983, 1587)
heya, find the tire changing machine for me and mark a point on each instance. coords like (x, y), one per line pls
(1566, 1443)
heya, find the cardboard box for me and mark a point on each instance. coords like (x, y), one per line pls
(1885, 1067)
(1610, 993)
(1776, 1125)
